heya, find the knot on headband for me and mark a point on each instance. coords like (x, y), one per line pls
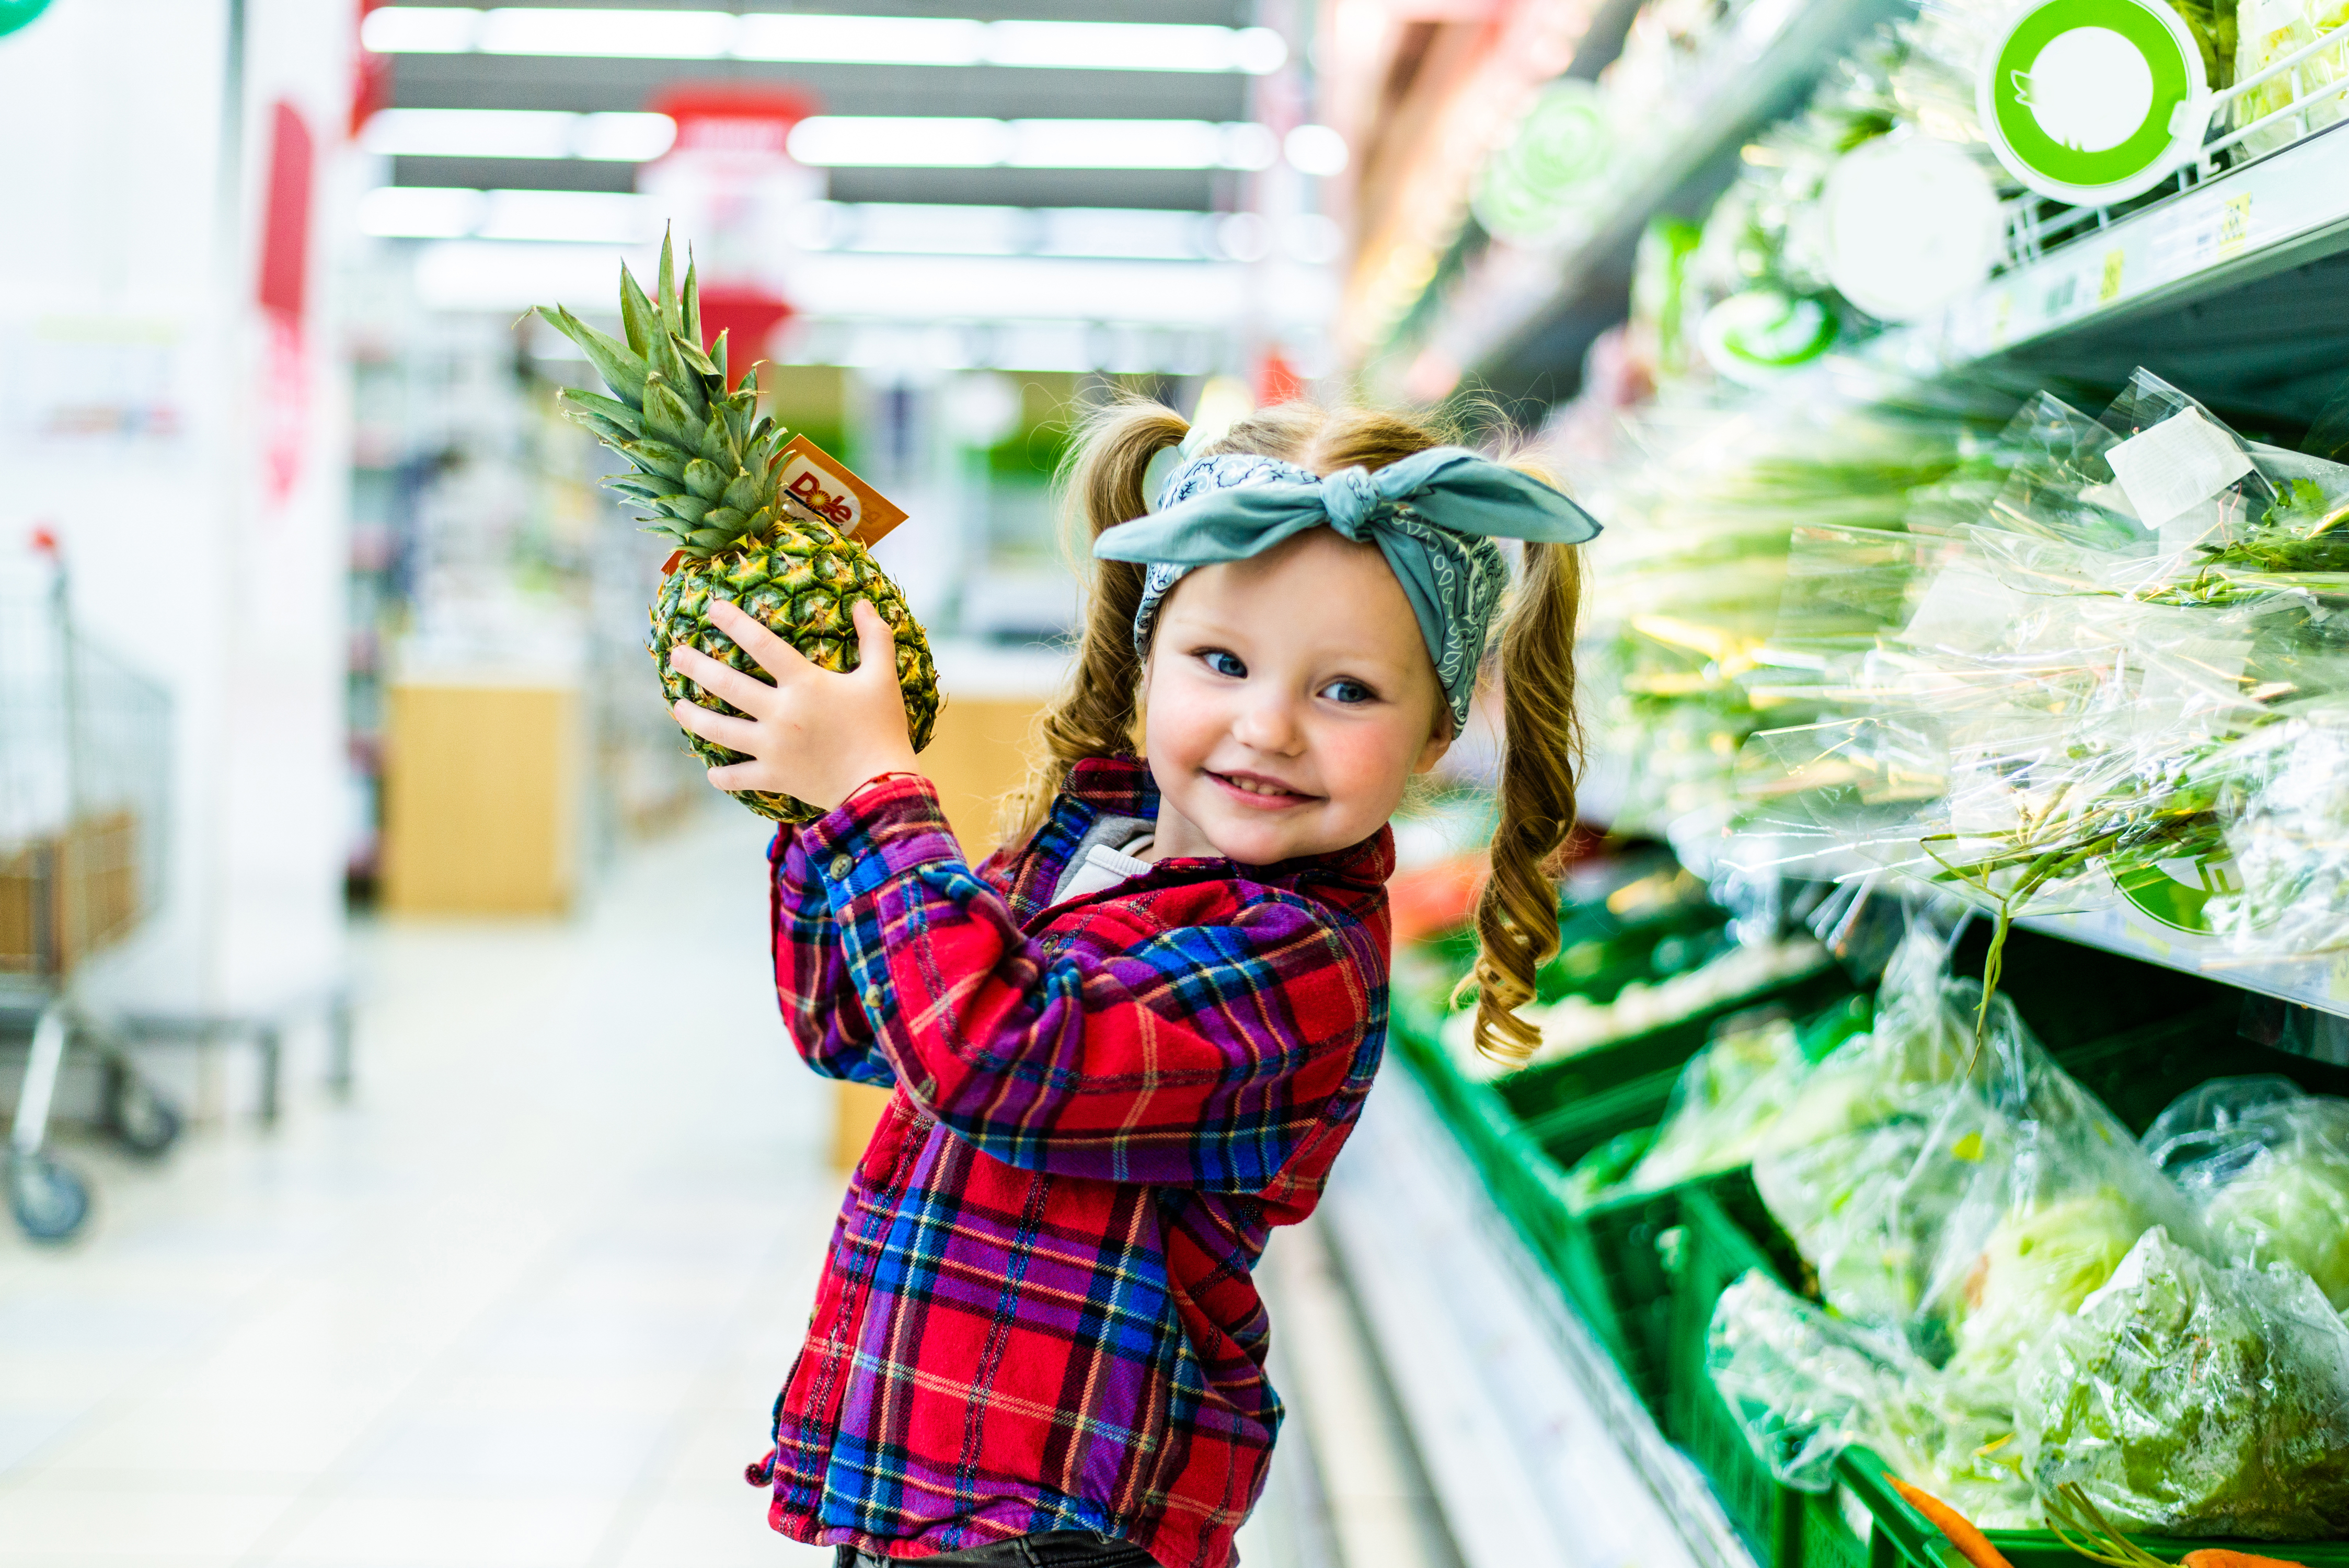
(1434, 516)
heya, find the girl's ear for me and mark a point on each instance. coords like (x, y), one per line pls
(1439, 741)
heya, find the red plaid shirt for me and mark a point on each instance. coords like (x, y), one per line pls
(1037, 1311)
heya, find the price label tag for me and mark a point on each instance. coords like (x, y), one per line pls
(2175, 466)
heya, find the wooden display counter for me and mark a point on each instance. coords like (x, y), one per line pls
(481, 790)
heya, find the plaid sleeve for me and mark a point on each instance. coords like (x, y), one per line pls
(1197, 1045)
(819, 995)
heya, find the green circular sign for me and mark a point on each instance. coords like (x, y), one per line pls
(1551, 168)
(1755, 338)
(2094, 101)
(15, 14)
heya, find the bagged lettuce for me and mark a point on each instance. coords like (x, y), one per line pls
(1805, 1385)
(1731, 1101)
(1845, 1171)
(2185, 1398)
(1724, 1103)
(1961, 1196)
(2268, 1166)
(2055, 1193)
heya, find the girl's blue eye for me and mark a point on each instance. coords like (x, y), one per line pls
(1350, 693)
(1224, 664)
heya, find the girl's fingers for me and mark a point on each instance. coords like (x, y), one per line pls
(776, 656)
(746, 692)
(734, 734)
(876, 645)
(738, 776)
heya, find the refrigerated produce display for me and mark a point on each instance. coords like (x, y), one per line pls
(1937, 1149)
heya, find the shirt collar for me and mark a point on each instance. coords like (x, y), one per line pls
(1102, 787)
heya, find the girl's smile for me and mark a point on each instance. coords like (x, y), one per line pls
(1260, 793)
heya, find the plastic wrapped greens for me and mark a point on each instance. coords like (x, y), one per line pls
(2267, 31)
(1703, 509)
(1805, 1385)
(2188, 1399)
(1727, 1099)
(2121, 681)
(2269, 1167)
(1972, 1194)
(1730, 1100)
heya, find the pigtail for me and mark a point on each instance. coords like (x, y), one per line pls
(1094, 714)
(1517, 914)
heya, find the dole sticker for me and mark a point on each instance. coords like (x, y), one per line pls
(827, 486)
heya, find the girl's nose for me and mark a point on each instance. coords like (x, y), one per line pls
(1270, 725)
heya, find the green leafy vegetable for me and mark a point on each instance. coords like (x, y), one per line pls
(2188, 1399)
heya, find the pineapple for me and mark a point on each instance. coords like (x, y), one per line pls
(703, 461)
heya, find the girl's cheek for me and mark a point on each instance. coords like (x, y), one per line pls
(1364, 760)
(1183, 722)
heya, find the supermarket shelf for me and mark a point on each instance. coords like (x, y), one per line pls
(2232, 287)
(1538, 1450)
(1521, 318)
(2321, 982)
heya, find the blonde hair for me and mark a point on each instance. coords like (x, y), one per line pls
(1096, 714)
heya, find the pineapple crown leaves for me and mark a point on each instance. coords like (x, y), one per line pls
(703, 457)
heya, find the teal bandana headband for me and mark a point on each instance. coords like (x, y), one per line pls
(1434, 516)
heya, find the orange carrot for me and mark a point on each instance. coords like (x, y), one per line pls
(1972, 1543)
(2219, 1557)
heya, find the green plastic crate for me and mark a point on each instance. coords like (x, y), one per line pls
(1603, 1258)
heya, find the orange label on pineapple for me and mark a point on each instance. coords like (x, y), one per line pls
(827, 486)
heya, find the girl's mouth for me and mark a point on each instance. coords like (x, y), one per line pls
(1259, 793)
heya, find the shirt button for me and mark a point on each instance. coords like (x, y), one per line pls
(873, 997)
(841, 866)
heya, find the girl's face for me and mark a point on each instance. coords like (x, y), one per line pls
(1289, 697)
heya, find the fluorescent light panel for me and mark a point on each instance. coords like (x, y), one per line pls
(922, 141)
(572, 217)
(866, 228)
(823, 39)
(517, 133)
(912, 228)
(870, 141)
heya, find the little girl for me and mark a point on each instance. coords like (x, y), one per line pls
(1131, 1043)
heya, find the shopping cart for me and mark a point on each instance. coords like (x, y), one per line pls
(85, 767)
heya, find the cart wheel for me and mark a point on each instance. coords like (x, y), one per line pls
(141, 1121)
(49, 1201)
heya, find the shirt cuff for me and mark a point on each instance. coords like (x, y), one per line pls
(881, 830)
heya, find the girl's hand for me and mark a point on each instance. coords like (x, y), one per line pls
(812, 734)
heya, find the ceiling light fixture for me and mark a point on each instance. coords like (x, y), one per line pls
(517, 133)
(920, 142)
(823, 39)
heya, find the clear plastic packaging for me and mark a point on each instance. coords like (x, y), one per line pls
(2126, 678)
(2266, 31)
(1837, 1172)
(1959, 1195)
(2185, 1398)
(2268, 1166)
(1805, 1385)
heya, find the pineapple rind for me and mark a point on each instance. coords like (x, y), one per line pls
(704, 467)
